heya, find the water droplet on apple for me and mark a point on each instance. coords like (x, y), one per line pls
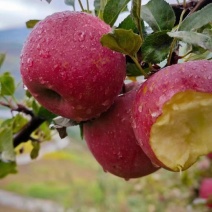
(106, 103)
(155, 114)
(44, 54)
(134, 125)
(140, 108)
(155, 165)
(209, 77)
(79, 36)
(30, 62)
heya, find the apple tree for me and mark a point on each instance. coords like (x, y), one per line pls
(140, 90)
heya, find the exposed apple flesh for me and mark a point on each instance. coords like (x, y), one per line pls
(67, 70)
(173, 115)
(111, 140)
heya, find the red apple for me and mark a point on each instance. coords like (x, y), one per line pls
(172, 114)
(111, 140)
(205, 191)
(67, 70)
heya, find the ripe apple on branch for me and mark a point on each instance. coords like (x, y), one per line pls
(74, 64)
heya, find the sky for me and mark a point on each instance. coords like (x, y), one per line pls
(14, 13)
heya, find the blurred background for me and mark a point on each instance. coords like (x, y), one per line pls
(66, 177)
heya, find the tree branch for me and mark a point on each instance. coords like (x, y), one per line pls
(25, 134)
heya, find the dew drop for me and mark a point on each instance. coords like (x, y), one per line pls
(140, 108)
(155, 114)
(155, 165)
(44, 54)
(106, 103)
(30, 62)
(79, 36)
(209, 77)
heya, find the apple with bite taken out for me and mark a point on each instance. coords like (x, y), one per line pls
(67, 70)
(172, 114)
(111, 140)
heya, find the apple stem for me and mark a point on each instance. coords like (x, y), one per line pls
(138, 65)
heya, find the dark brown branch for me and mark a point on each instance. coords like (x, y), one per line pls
(25, 134)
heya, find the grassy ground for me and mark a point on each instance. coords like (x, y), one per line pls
(72, 178)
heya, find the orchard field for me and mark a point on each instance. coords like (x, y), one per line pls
(106, 106)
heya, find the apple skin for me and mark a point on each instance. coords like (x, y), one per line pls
(161, 87)
(205, 190)
(112, 142)
(67, 70)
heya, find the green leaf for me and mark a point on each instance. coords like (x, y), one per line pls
(70, 2)
(45, 114)
(197, 19)
(112, 10)
(35, 151)
(7, 168)
(31, 23)
(2, 58)
(133, 70)
(19, 121)
(156, 47)
(158, 14)
(127, 23)
(194, 38)
(7, 84)
(121, 40)
(6, 143)
(136, 13)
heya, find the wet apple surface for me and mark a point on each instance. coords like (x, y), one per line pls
(173, 115)
(111, 140)
(67, 70)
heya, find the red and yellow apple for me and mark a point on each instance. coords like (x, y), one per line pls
(111, 140)
(172, 114)
(67, 70)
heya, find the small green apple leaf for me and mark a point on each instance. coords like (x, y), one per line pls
(45, 114)
(156, 47)
(35, 151)
(136, 13)
(6, 143)
(121, 40)
(197, 19)
(7, 168)
(158, 14)
(7, 84)
(19, 121)
(2, 58)
(70, 2)
(31, 23)
(112, 10)
(194, 38)
(127, 23)
(133, 70)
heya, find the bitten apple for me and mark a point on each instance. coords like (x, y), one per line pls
(172, 114)
(111, 140)
(67, 70)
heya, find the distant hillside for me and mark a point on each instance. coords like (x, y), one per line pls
(11, 42)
